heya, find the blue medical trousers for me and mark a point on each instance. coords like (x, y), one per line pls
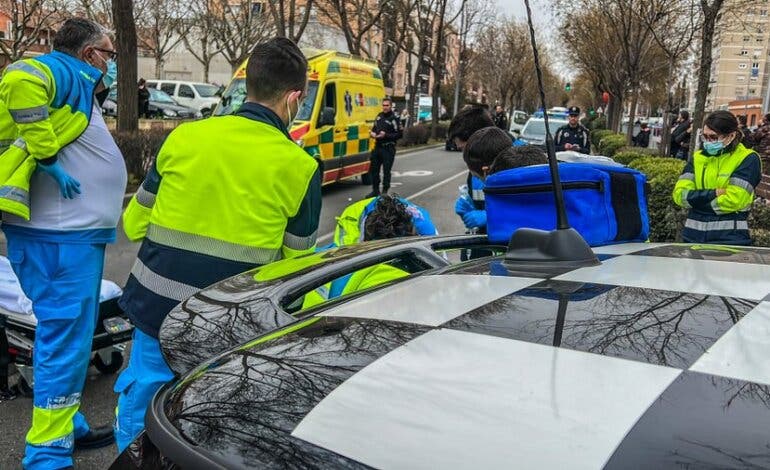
(146, 373)
(63, 281)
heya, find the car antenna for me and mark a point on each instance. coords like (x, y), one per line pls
(562, 249)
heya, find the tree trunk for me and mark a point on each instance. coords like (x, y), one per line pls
(125, 36)
(158, 66)
(710, 13)
(206, 67)
(663, 148)
(632, 115)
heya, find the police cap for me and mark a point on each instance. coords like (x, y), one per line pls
(573, 111)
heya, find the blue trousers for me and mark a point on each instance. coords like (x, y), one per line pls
(147, 371)
(63, 281)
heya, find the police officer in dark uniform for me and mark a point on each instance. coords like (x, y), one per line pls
(573, 136)
(386, 131)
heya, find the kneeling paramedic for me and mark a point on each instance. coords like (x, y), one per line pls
(224, 195)
(63, 181)
(717, 185)
(379, 218)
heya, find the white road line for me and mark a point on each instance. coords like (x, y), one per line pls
(329, 235)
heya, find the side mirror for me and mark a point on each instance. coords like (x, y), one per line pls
(327, 117)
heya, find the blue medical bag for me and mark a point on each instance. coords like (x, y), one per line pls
(605, 204)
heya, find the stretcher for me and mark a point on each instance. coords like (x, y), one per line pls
(17, 333)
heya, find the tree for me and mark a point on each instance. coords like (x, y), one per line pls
(30, 20)
(159, 28)
(125, 38)
(96, 10)
(238, 27)
(289, 17)
(198, 32)
(356, 19)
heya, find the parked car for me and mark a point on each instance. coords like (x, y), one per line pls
(200, 96)
(161, 106)
(533, 132)
(655, 357)
(518, 120)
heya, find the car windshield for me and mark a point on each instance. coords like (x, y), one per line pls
(160, 96)
(206, 90)
(306, 108)
(537, 128)
(232, 98)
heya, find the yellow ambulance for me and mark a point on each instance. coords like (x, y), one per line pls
(344, 96)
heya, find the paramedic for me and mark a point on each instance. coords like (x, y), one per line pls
(717, 184)
(192, 232)
(76, 196)
(573, 135)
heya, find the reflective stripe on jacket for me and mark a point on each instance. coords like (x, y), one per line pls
(45, 104)
(712, 218)
(225, 194)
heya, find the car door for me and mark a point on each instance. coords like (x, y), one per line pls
(186, 96)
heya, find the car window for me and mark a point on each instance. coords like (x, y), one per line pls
(160, 96)
(205, 90)
(186, 92)
(520, 118)
(232, 98)
(152, 84)
(537, 127)
(306, 108)
(168, 88)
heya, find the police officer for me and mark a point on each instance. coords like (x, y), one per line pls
(386, 131)
(500, 118)
(203, 219)
(573, 136)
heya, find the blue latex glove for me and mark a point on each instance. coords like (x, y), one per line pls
(475, 219)
(68, 185)
(463, 205)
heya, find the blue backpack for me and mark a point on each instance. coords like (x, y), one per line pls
(605, 204)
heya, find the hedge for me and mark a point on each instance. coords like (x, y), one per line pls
(626, 155)
(666, 218)
(139, 150)
(416, 135)
(759, 222)
(608, 145)
(598, 135)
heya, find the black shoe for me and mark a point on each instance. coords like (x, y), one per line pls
(96, 438)
(385, 190)
(371, 194)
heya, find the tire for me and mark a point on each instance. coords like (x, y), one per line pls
(24, 388)
(366, 179)
(116, 362)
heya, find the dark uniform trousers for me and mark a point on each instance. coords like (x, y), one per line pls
(383, 155)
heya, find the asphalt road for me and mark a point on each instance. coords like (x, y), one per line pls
(428, 177)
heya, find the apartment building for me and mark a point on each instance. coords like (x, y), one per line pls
(740, 68)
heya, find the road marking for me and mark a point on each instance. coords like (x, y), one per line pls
(399, 174)
(329, 235)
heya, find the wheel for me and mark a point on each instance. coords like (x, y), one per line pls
(116, 362)
(366, 179)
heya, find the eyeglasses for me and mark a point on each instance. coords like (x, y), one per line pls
(711, 137)
(111, 54)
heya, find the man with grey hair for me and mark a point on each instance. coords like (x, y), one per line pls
(62, 203)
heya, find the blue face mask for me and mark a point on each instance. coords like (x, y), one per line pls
(111, 75)
(713, 148)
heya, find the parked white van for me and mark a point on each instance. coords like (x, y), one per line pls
(197, 95)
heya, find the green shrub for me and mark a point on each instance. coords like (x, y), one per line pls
(626, 155)
(666, 218)
(416, 135)
(441, 130)
(608, 145)
(600, 122)
(597, 135)
(759, 222)
(139, 150)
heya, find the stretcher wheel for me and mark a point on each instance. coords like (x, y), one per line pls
(116, 362)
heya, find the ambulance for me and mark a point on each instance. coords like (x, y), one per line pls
(344, 96)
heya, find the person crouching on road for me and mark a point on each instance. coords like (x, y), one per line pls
(717, 184)
(385, 132)
(203, 219)
(56, 244)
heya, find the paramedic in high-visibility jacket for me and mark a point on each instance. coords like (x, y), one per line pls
(717, 184)
(225, 194)
(60, 209)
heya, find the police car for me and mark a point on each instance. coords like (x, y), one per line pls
(655, 356)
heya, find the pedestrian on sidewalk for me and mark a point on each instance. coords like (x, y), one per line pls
(57, 232)
(203, 219)
(385, 132)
